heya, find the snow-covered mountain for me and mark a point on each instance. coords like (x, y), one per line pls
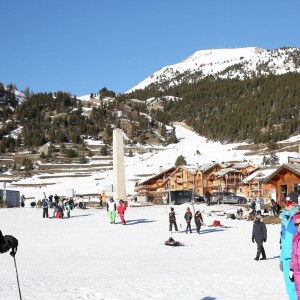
(227, 63)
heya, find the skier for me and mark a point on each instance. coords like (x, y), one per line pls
(45, 204)
(121, 211)
(188, 217)
(294, 273)
(287, 231)
(259, 235)
(198, 220)
(8, 242)
(172, 220)
(111, 208)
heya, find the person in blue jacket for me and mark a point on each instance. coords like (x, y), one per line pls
(287, 231)
(45, 204)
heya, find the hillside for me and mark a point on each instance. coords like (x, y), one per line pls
(229, 95)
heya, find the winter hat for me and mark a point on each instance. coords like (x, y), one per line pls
(296, 217)
(187, 208)
(292, 196)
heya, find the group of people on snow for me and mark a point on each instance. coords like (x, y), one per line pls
(61, 206)
(113, 209)
(188, 216)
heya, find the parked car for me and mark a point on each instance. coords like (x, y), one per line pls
(227, 197)
(183, 196)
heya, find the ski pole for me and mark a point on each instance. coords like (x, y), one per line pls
(17, 277)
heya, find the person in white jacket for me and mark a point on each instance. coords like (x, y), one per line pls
(111, 208)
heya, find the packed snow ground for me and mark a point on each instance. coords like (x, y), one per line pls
(86, 257)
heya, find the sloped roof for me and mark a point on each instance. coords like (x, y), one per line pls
(294, 168)
(259, 174)
(161, 174)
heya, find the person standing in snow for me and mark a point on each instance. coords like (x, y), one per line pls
(198, 220)
(100, 199)
(111, 208)
(259, 235)
(45, 205)
(23, 201)
(258, 208)
(207, 198)
(68, 208)
(121, 211)
(172, 220)
(294, 273)
(103, 197)
(188, 217)
(61, 205)
(287, 232)
(56, 199)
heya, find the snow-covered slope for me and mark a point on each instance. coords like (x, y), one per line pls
(227, 63)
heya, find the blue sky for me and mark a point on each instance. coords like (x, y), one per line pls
(81, 46)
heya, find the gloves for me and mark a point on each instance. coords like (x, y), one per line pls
(291, 275)
(253, 240)
(265, 240)
(281, 266)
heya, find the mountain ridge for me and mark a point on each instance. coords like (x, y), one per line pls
(227, 63)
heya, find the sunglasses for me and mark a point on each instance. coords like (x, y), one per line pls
(297, 224)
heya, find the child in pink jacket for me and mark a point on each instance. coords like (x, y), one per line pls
(295, 259)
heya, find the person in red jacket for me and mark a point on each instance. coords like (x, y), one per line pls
(121, 211)
(188, 217)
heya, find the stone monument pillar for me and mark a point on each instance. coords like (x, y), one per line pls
(119, 183)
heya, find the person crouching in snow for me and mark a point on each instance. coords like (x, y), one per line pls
(198, 220)
(188, 217)
(111, 208)
(259, 235)
(295, 259)
(121, 211)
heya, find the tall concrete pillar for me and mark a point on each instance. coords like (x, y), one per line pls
(119, 182)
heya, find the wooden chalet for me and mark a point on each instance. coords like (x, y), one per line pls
(154, 188)
(284, 180)
(226, 179)
(176, 179)
(253, 187)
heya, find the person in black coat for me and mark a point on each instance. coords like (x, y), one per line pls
(259, 235)
(188, 217)
(198, 220)
(207, 197)
(8, 242)
(172, 220)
